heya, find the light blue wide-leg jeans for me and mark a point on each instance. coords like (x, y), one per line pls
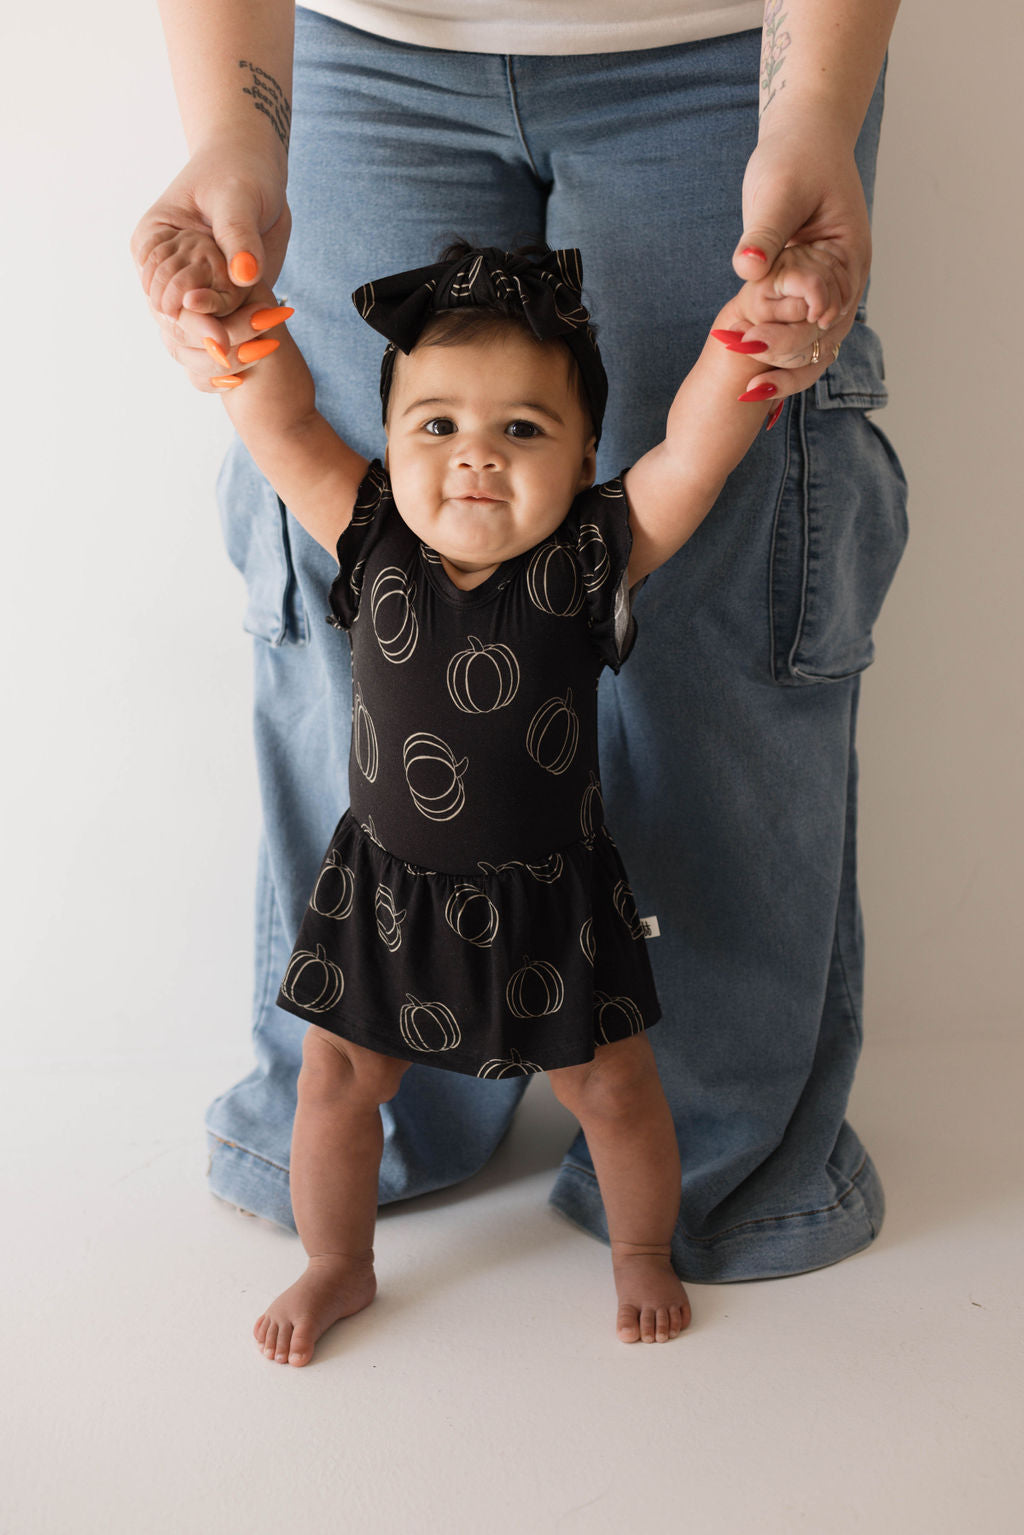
(727, 741)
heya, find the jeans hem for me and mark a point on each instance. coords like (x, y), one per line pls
(765, 1247)
(248, 1181)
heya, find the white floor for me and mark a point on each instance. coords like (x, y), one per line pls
(484, 1390)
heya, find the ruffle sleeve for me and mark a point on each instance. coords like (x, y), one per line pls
(373, 505)
(598, 528)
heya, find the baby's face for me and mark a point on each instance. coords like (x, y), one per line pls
(487, 446)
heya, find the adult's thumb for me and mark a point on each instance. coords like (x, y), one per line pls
(235, 223)
(756, 251)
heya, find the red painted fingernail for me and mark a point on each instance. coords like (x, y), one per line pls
(216, 352)
(728, 337)
(776, 413)
(748, 346)
(243, 269)
(759, 392)
(752, 250)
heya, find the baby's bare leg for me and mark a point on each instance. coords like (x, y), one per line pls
(621, 1106)
(335, 1164)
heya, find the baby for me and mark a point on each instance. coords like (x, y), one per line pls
(471, 912)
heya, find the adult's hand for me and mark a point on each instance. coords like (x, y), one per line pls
(803, 188)
(220, 227)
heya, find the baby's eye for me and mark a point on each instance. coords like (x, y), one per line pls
(439, 426)
(523, 429)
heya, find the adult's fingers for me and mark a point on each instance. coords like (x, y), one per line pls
(800, 365)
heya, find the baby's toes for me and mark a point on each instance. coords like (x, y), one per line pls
(259, 1332)
(628, 1323)
(648, 1324)
(284, 1338)
(270, 1341)
(303, 1339)
(679, 1317)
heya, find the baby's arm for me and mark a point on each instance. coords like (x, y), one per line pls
(673, 487)
(273, 409)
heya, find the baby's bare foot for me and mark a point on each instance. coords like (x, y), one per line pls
(653, 1306)
(331, 1288)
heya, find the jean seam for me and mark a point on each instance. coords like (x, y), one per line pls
(762, 1221)
(248, 1151)
(516, 117)
(805, 498)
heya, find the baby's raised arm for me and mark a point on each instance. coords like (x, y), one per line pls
(273, 409)
(673, 487)
(723, 400)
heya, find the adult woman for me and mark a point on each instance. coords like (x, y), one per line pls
(745, 704)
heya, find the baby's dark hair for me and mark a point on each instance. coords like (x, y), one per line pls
(452, 327)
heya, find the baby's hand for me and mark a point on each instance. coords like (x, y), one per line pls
(187, 281)
(795, 319)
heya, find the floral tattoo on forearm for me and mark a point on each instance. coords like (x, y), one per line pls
(774, 46)
(268, 98)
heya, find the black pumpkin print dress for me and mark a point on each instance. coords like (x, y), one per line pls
(472, 911)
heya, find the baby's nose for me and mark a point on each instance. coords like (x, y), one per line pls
(480, 451)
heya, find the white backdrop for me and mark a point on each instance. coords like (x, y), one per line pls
(130, 807)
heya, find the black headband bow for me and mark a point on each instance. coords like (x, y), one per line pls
(546, 288)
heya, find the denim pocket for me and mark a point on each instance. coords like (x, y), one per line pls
(840, 524)
(255, 526)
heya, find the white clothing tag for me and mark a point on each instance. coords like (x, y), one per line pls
(650, 927)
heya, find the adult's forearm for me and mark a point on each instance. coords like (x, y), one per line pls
(231, 61)
(820, 62)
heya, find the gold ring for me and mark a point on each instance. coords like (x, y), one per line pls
(815, 351)
(835, 350)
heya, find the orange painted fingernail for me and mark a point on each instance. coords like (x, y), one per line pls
(243, 268)
(216, 352)
(760, 392)
(229, 381)
(776, 413)
(252, 351)
(263, 319)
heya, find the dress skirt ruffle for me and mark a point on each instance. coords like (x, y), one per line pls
(511, 970)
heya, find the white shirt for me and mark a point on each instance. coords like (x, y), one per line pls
(545, 26)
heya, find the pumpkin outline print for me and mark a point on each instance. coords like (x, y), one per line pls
(587, 941)
(592, 797)
(389, 921)
(332, 983)
(440, 1016)
(368, 498)
(554, 562)
(546, 724)
(604, 1003)
(364, 738)
(424, 747)
(371, 831)
(545, 873)
(500, 673)
(525, 979)
(594, 556)
(624, 902)
(459, 903)
(511, 1065)
(392, 585)
(328, 901)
